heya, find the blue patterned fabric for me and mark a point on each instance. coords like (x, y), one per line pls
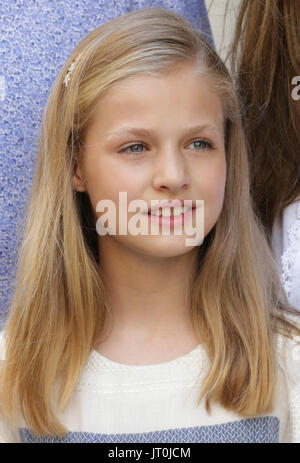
(36, 38)
(252, 430)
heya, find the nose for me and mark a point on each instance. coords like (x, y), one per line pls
(170, 172)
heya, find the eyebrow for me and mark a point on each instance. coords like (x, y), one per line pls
(141, 132)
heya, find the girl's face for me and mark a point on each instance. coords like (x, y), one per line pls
(156, 138)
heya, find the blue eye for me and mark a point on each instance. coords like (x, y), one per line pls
(131, 146)
(204, 143)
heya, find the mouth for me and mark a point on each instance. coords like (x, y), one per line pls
(170, 217)
(167, 212)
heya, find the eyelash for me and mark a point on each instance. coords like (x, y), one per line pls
(209, 145)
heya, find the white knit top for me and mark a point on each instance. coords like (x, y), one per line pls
(113, 402)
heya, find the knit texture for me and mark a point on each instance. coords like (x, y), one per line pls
(114, 402)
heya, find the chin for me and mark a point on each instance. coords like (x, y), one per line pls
(161, 246)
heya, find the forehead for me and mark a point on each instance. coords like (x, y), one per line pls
(179, 94)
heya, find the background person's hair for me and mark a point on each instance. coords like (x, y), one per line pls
(59, 306)
(265, 56)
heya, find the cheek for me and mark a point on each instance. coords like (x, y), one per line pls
(211, 182)
(107, 177)
(212, 190)
(216, 185)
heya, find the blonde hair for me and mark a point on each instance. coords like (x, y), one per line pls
(59, 307)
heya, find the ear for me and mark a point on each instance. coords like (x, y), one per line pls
(78, 179)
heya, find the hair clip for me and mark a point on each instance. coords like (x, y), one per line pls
(71, 69)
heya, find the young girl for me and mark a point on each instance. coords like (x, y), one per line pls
(134, 338)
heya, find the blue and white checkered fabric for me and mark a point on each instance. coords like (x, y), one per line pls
(257, 430)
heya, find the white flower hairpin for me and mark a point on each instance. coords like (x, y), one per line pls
(71, 69)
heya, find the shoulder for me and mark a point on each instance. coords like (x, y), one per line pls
(7, 433)
(288, 350)
(286, 250)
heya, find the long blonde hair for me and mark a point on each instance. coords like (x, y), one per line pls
(59, 307)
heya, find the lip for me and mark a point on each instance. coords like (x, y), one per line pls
(175, 203)
(172, 221)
